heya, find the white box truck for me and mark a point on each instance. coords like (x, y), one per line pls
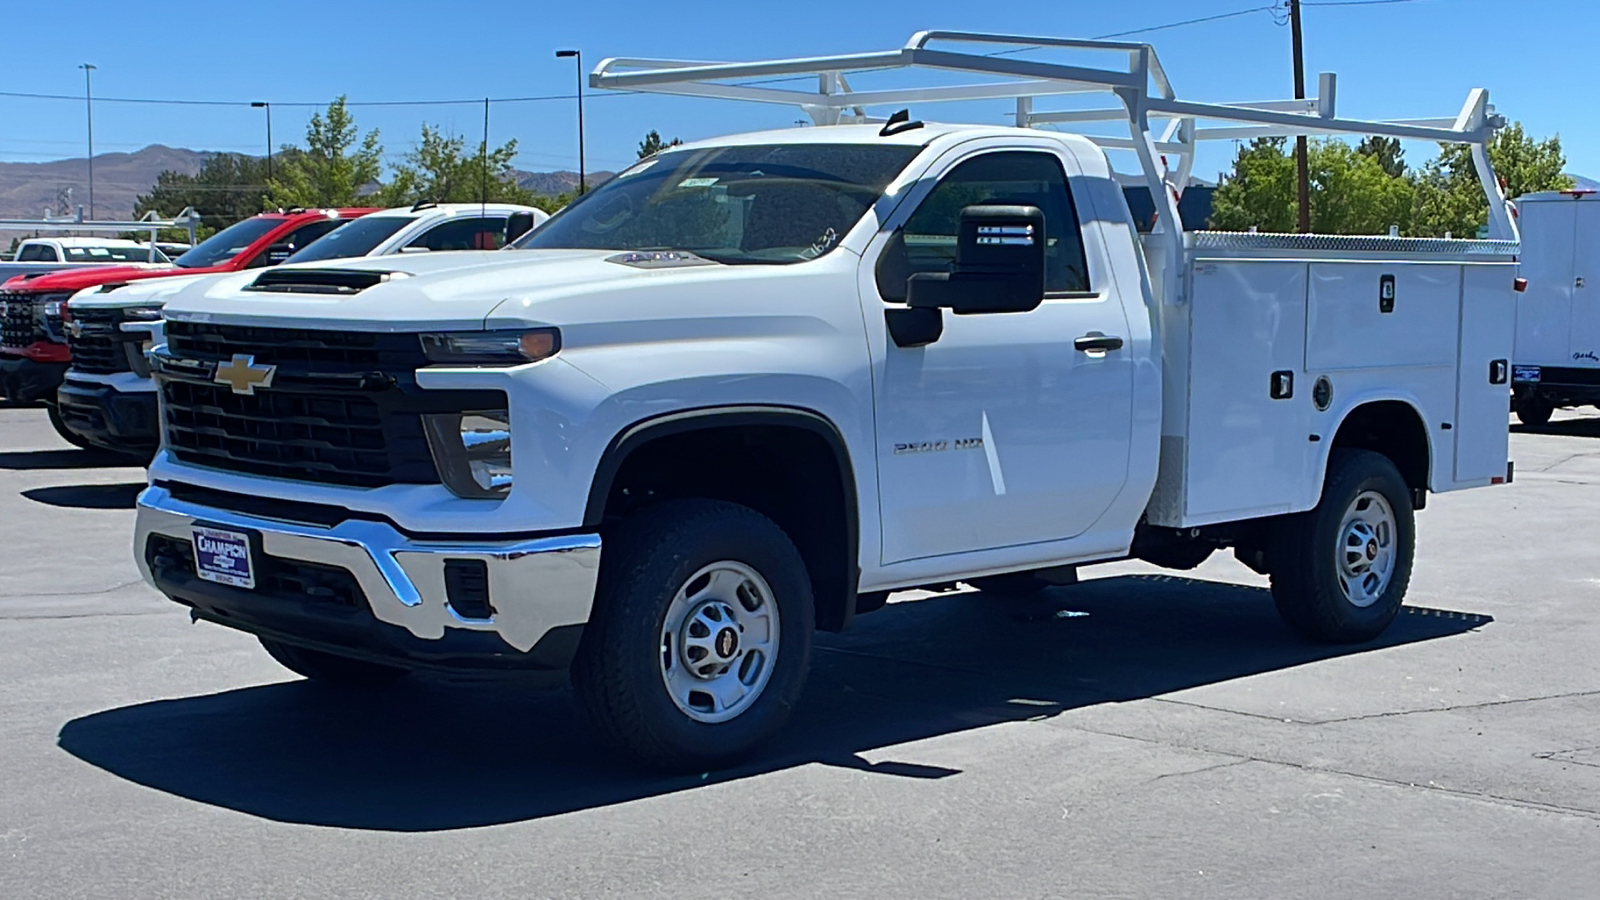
(753, 384)
(1557, 358)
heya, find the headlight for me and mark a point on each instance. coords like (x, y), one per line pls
(472, 451)
(142, 314)
(54, 307)
(492, 348)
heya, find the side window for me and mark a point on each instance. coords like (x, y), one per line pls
(475, 233)
(927, 242)
(297, 239)
(37, 253)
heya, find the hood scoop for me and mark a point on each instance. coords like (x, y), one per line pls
(320, 281)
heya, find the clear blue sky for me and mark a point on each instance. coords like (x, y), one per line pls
(1395, 59)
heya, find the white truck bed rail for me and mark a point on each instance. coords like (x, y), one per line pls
(1138, 81)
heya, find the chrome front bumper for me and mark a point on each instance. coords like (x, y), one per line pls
(535, 585)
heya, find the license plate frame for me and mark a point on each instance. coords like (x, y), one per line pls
(224, 555)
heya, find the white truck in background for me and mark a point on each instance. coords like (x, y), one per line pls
(36, 256)
(108, 398)
(753, 384)
(1557, 357)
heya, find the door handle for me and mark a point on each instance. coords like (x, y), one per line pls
(1094, 341)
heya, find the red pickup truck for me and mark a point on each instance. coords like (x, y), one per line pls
(33, 341)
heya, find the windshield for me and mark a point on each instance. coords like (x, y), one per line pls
(357, 237)
(769, 204)
(227, 243)
(113, 254)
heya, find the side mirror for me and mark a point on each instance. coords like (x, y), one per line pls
(277, 253)
(999, 264)
(518, 225)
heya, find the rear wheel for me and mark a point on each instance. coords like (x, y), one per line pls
(1533, 410)
(328, 668)
(67, 434)
(700, 638)
(1340, 571)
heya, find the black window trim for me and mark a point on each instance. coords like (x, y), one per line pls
(961, 160)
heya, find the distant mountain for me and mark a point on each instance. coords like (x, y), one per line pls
(550, 184)
(28, 189)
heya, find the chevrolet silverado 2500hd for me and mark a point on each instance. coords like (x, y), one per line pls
(752, 384)
(108, 398)
(33, 342)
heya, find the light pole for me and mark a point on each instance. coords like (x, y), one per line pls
(262, 104)
(88, 108)
(583, 186)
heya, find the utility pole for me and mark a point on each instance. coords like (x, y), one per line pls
(1302, 165)
(263, 104)
(88, 106)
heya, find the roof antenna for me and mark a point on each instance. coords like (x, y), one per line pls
(900, 121)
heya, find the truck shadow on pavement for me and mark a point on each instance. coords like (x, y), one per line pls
(89, 496)
(434, 756)
(63, 459)
(1588, 426)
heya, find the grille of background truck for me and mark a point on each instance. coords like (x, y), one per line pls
(17, 328)
(343, 407)
(98, 346)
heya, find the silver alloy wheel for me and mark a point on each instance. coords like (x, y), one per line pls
(1367, 550)
(719, 641)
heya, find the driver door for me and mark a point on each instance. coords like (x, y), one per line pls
(1000, 433)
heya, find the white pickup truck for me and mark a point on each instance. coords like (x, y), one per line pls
(36, 256)
(753, 384)
(108, 399)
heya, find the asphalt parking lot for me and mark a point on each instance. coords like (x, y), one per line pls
(1139, 735)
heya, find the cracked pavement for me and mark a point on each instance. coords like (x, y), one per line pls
(1143, 734)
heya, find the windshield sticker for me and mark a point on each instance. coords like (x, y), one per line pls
(697, 182)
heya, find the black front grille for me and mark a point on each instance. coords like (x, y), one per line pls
(17, 328)
(342, 408)
(98, 343)
(343, 350)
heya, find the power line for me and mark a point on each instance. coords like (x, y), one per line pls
(1219, 16)
(167, 101)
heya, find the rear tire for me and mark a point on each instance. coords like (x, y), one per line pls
(330, 669)
(1533, 410)
(699, 643)
(1340, 571)
(66, 433)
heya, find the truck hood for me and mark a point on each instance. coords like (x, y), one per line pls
(78, 278)
(455, 290)
(149, 292)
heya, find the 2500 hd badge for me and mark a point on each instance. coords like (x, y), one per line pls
(975, 443)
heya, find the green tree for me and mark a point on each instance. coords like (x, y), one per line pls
(228, 187)
(1388, 153)
(652, 144)
(1449, 198)
(438, 171)
(1261, 192)
(335, 168)
(1352, 192)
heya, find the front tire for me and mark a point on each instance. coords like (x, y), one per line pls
(67, 434)
(700, 639)
(1340, 571)
(327, 668)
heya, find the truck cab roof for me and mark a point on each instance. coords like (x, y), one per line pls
(239, 246)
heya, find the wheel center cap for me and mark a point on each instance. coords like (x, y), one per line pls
(1372, 549)
(727, 643)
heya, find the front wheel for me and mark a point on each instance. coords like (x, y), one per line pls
(700, 638)
(1340, 571)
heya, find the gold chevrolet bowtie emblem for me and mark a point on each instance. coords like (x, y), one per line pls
(75, 328)
(243, 375)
